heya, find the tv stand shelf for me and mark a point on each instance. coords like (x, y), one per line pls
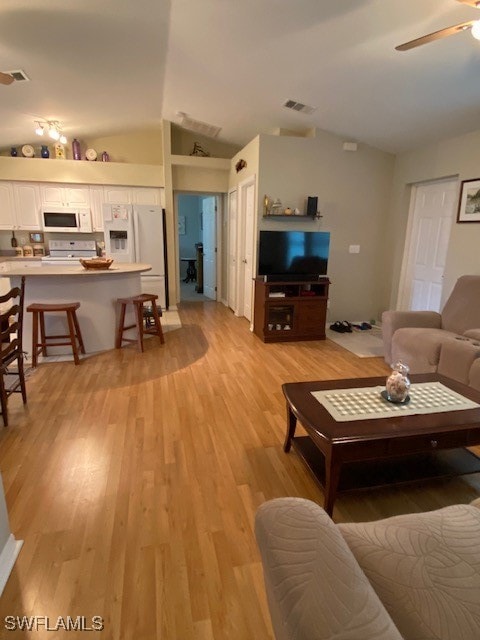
(290, 311)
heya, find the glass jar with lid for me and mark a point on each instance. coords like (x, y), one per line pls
(398, 383)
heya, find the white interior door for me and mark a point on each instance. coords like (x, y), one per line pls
(209, 248)
(232, 250)
(247, 240)
(431, 214)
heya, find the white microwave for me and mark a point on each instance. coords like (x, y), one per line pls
(66, 220)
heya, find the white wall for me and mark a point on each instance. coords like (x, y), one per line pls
(250, 153)
(9, 547)
(457, 157)
(4, 525)
(353, 190)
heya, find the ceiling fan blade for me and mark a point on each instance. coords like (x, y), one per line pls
(471, 3)
(436, 35)
(5, 78)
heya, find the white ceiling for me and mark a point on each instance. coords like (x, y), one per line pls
(101, 66)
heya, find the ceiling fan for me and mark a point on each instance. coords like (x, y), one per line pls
(5, 78)
(474, 25)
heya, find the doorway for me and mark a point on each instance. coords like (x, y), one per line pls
(197, 246)
(432, 208)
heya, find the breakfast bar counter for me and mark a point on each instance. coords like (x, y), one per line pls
(96, 289)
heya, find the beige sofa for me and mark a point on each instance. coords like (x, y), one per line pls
(447, 342)
(410, 577)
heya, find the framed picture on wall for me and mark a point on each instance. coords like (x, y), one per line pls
(181, 225)
(469, 205)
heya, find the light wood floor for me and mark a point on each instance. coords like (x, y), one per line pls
(134, 480)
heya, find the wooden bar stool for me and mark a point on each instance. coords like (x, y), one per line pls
(73, 336)
(152, 325)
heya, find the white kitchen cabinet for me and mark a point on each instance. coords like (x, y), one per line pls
(146, 195)
(26, 196)
(132, 195)
(21, 202)
(117, 195)
(19, 206)
(7, 212)
(96, 207)
(65, 195)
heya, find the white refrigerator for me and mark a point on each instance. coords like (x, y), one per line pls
(136, 233)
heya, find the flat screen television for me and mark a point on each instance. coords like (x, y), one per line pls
(287, 255)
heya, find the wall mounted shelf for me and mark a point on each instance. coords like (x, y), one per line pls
(292, 216)
(81, 172)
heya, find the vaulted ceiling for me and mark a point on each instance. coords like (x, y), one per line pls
(102, 67)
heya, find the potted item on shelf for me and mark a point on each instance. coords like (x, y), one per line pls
(76, 150)
(59, 151)
(276, 209)
(267, 205)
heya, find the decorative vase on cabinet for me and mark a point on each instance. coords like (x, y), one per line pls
(45, 153)
(76, 149)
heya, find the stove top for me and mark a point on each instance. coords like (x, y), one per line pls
(70, 250)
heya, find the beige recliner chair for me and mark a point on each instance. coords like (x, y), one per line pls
(416, 337)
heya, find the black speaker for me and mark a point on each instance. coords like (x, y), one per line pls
(312, 205)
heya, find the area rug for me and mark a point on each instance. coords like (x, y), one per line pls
(170, 321)
(364, 344)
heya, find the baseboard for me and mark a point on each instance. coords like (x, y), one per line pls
(7, 559)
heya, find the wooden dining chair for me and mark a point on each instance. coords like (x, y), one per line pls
(11, 324)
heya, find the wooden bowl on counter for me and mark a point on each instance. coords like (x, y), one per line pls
(96, 263)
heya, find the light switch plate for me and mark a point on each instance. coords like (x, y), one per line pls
(354, 248)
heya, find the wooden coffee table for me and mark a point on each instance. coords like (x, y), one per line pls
(333, 449)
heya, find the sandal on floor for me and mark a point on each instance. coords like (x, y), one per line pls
(347, 327)
(365, 325)
(337, 326)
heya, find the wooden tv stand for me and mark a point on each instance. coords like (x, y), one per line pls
(290, 311)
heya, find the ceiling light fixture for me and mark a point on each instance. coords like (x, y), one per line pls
(476, 30)
(52, 128)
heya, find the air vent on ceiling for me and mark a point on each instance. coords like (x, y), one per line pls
(202, 128)
(298, 106)
(18, 75)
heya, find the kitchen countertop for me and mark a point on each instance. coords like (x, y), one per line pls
(97, 291)
(37, 268)
(20, 258)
